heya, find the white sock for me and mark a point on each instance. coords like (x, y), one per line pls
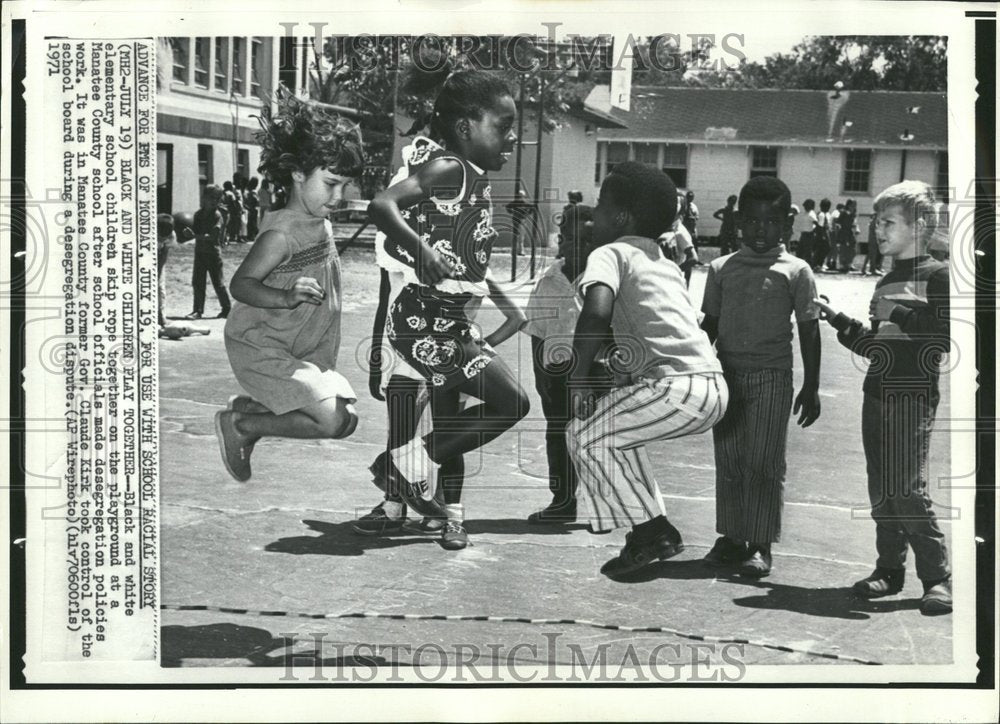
(416, 465)
(455, 512)
(392, 508)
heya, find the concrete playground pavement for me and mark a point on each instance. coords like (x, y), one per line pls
(282, 541)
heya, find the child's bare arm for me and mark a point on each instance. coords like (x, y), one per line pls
(385, 211)
(808, 398)
(514, 318)
(719, 214)
(248, 286)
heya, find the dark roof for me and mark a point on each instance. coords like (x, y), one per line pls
(595, 117)
(780, 117)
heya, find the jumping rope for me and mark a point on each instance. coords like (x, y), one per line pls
(520, 619)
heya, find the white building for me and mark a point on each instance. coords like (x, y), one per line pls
(836, 145)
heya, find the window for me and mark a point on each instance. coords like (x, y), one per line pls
(648, 153)
(257, 66)
(675, 163)
(764, 161)
(221, 64)
(941, 184)
(857, 171)
(201, 50)
(205, 169)
(239, 66)
(243, 163)
(181, 51)
(616, 153)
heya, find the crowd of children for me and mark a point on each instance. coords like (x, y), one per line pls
(621, 356)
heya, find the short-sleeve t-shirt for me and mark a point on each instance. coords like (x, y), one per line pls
(753, 295)
(655, 324)
(552, 311)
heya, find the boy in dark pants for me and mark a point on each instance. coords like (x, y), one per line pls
(749, 300)
(909, 334)
(552, 313)
(208, 231)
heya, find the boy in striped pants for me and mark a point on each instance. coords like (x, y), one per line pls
(674, 383)
(748, 304)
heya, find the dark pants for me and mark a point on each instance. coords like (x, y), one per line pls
(212, 265)
(805, 251)
(896, 430)
(553, 389)
(821, 248)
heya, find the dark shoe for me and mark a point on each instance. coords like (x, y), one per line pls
(416, 494)
(881, 582)
(424, 526)
(639, 554)
(380, 471)
(936, 600)
(453, 536)
(377, 522)
(234, 446)
(223, 314)
(565, 513)
(193, 315)
(758, 563)
(726, 552)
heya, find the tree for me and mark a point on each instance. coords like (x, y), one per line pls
(861, 62)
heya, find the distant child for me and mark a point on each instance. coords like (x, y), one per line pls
(234, 212)
(165, 238)
(909, 334)
(283, 334)
(822, 235)
(873, 257)
(805, 224)
(750, 297)
(678, 246)
(727, 232)
(847, 236)
(252, 202)
(939, 246)
(690, 217)
(208, 231)
(675, 385)
(552, 313)
(439, 227)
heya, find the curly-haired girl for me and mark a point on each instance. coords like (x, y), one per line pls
(283, 333)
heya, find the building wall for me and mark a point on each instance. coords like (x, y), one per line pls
(715, 171)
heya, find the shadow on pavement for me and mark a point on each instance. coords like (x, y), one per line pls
(339, 539)
(822, 602)
(520, 526)
(688, 570)
(255, 645)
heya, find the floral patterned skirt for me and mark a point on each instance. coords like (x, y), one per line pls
(432, 333)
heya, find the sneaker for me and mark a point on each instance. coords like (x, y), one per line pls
(234, 445)
(726, 552)
(639, 554)
(377, 522)
(553, 513)
(193, 315)
(453, 536)
(424, 526)
(413, 493)
(223, 314)
(758, 563)
(881, 582)
(936, 599)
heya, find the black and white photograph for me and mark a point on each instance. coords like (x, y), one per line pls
(514, 355)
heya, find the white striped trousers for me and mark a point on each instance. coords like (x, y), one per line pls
(608, 448)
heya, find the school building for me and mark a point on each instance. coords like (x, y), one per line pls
(836, 144)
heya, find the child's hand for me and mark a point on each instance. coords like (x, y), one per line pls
(825, 310)
(433, 267)
(305, 289)
(581, 400)
(808, 401)
(881, 309)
